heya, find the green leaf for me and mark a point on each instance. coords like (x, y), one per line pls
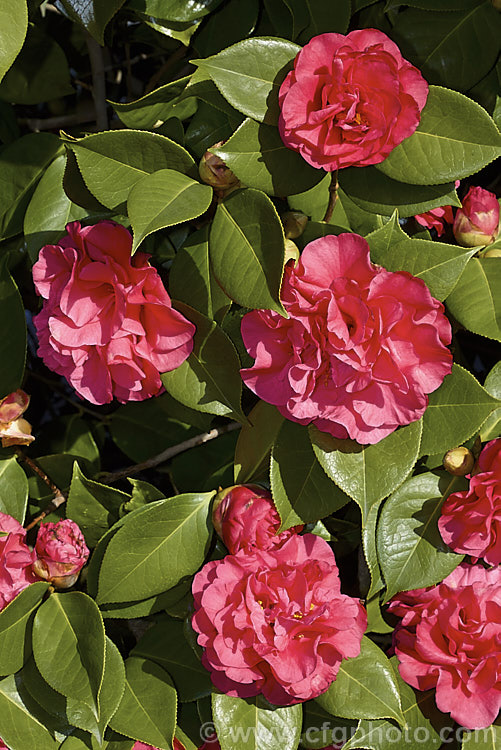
(437, 264)
(192, 281)
(411, 552)
(15, 627)
(93, 14)
(49, 210)
(370, 549)
(18, 727)
(209, 380)
(159, 104)
(13, 339)
(246, 247)
(163, 199)
(13, 489)
(39, 73)
(259, 158)
(365, 687)
(148, 708)
(22, 163)
(368, 473)
(112, 162)
(69, 647)
(166, 645)
(250, 73)
(13, 27)
(147, 558)
(208, 126)
(482, 739)
(255, 442)
(181, 11)
(93, 506)
(491, 428)
(301, 489)
(455, 138)
(475, 301)
(326, 17)
(455, 412)
(373, 191)
(224, 27)
(454, 49)
(253, 724)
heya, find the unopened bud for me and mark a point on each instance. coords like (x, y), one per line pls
(294, 224)
(459, 461)
(214, 172)
(477, 222)
(291, 251)
(492, 252)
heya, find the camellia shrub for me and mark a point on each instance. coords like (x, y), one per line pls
(250, 390)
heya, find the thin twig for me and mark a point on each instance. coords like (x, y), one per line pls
(59, 497)
(98, 81)
(333, 188)
(168, 453)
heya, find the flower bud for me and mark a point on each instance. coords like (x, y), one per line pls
(492, 252)
(13, 429)
(291, 251)
(61, 553)
(477, 222)
(459, 461)
(294, 224)
(245, 517)
(215, 173)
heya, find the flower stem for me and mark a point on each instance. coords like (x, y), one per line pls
(58, 499)
(333, 188)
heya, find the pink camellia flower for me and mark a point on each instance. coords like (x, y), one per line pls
(212, 743)
(16, 560)
(107, 323)
(437, 218)
(477, 222)
(245, 517)
(3, 746)
(350, 100)
(275, 622)
(450, 639)
(61, 553)
(361, 349)
(470, 521)
(14, 430)
(176, 745)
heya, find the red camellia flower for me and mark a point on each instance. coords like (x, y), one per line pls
(16, 560)
(107, 323)
(450, 639)
(477, 222)
(212, 743)
(61, 552)
(176, 745)
(361, 349)
(244, 517)
(470, 521)
(275, 622)
(350, 100)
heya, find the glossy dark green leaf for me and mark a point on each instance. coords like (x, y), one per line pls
(373, 191)
(368, 473)
(158, 104)
(253, 724)
(147, 711)
(13, 339)
(163, 199)
(246, 247)
(411, 552)
(13, 489)
(370, 549)
(69, 647)
(40, 71)
(475, 301)
(112, 162)
(13, 27)
(258, 157)
(15, 627)
(491, 428)
(209, 380)
(482, 739)
(439, 265)
(255, 440)
(289, 17)
(18, 726)
(93, 14)
(455, 138)
(365, 687)
(175, 10)
(250, 73)
(455, 412)
(167, 601)
(166, 645)
(326, 17)
(454, 49)
(301, 489)
(145, 559)
(225, 27)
